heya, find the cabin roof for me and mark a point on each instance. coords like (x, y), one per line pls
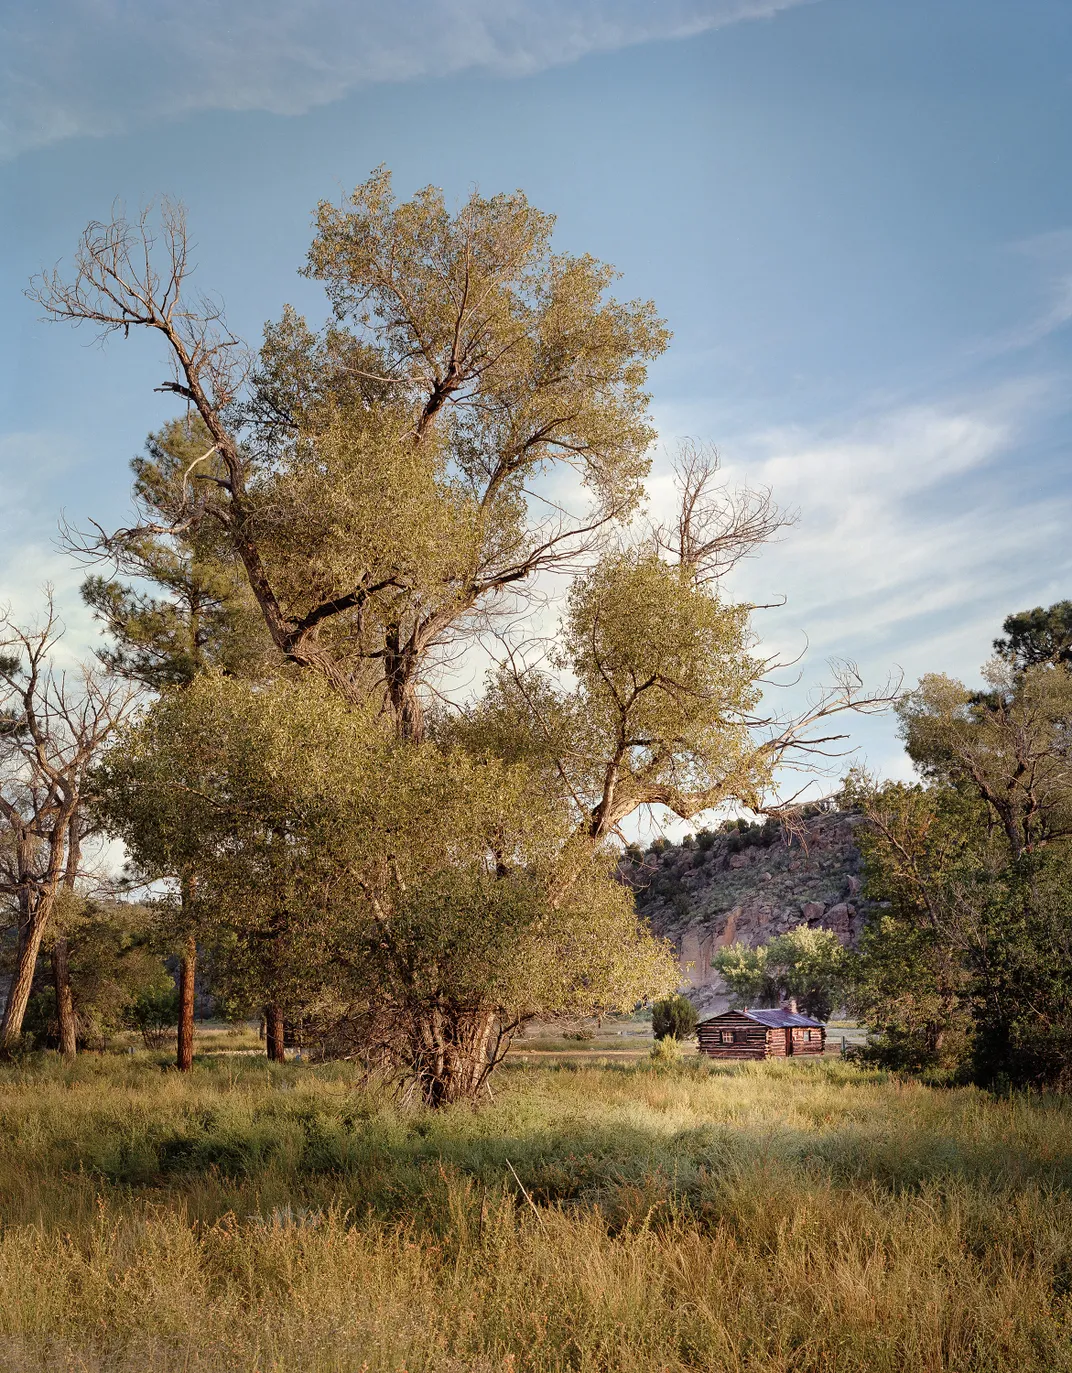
(773, 1019)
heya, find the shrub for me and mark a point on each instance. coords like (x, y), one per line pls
(155, 1012)
(665, 1053)
(675, 1018)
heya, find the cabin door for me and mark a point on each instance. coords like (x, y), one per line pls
(788, 1042)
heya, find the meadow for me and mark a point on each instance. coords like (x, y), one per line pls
(809, 1217)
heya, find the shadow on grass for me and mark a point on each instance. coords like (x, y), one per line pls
(608, 1137)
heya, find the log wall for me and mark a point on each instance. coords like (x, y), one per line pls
(803, 1045)
(749, 1039)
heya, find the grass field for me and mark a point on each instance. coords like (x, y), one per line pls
(789, 1218)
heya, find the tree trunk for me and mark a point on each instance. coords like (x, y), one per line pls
(61, 976)
(273, 1016)
(187, 974)
(18, 997)
(61, 968)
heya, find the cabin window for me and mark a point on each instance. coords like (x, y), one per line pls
(807, 1035)
(725, 1036)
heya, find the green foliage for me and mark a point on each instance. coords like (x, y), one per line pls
(674, 1018)
(431, 900)
(1021, 980)
(1008, 747)
(967, 963)
(154, 1012)
(665, 1052)
(809, 966)
(1039, 636)
(200, 611)
(115, 957)
(920, 847)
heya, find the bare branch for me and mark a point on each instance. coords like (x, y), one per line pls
(717, 525)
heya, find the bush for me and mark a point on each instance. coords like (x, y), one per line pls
(665, 1053)
(155, 1012)
(675, 1018)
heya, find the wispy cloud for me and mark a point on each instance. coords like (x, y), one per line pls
(95, 66)
(1049, 261)
(916, 534)
(33, 464)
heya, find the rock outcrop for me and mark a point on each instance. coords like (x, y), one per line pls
(749, 886)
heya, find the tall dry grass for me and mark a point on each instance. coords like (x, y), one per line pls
(812, 1218)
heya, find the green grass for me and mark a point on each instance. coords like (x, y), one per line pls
(809, 1218)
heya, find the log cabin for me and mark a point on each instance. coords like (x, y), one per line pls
(761, 1034)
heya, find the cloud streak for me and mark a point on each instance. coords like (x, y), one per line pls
(94, 67)
(917, 534)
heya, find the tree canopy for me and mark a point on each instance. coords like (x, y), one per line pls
(347, 522)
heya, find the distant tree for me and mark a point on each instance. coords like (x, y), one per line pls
(52, 728)
(804, 966)
(966, 964)
(674, 1018)
(177, 604)
(745, 972)
(115, 960)
(1039, 636)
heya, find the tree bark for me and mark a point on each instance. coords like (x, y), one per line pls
(61, 976)
(273, 1016)
(187, 974)
(61, 968)
(18, 997)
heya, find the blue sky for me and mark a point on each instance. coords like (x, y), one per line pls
(855, 214)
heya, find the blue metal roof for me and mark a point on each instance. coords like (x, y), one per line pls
(773, 1019)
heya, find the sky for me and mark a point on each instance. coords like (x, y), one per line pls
(856, 216)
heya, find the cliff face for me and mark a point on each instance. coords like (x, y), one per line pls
(748, 887)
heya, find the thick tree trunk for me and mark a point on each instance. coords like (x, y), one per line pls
(61, 976)
(187, 974)
(273, 1016)
(455, 1057)
(18, 997)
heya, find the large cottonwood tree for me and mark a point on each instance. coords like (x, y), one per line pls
(467, 438)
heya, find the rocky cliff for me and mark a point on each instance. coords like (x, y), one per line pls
(747, 885)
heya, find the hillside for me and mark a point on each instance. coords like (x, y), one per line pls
(748, 884)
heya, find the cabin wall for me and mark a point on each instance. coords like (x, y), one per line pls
(776, 1045)
(802, 1045)
(749, 1039)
